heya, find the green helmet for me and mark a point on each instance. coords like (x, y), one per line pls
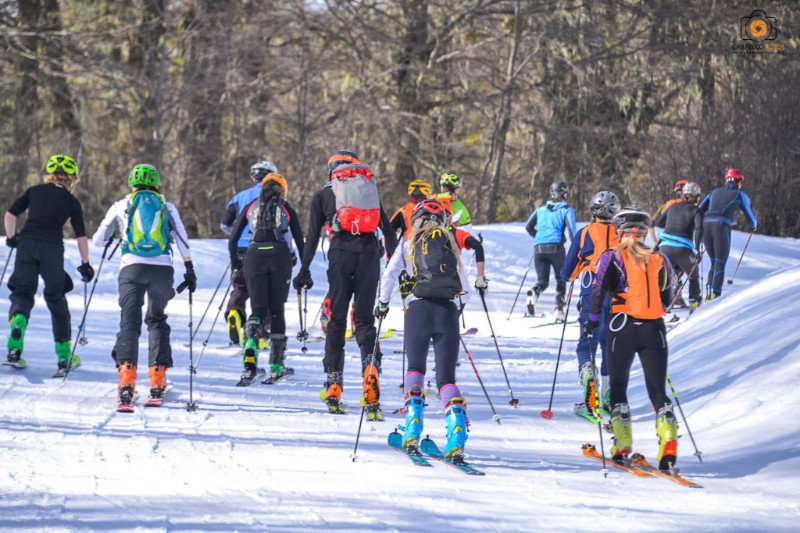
(450, 179)
(144, 176)
(61, 164)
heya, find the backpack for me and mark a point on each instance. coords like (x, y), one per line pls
(358, 208)
(148, 224)
(435, 267)
(268, 219)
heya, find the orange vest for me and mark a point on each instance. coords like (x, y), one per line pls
(604, 236)
(643, 298)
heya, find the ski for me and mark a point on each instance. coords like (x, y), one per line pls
(61, 372)
(581, 412)
(590, 451)
(246, 381)
(471, 331)
(19, 363)
(156, 402)
(269, 380)
(388, 334)
(396, 441)
(127, 407)
(638, 460)
(430, 449)
(540, 315)
(674, 318)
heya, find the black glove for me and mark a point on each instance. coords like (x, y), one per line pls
(302, 280)
(588, 327)
(294, 258)
(86, 271)
(407, 284)
(189, 278)
(381, 310)
(236, 263)
(11, 242)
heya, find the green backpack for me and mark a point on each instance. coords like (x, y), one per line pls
(148, 225)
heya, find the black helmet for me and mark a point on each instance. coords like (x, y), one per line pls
(558, 189)
(604, 204)
(632, 219)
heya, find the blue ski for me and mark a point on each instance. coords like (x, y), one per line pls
(430, 448)
(396, 442)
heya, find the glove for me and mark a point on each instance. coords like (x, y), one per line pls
(294, 258)
(381, 310)
(189, 278)
(482, 284)
(236, 263)
(86, 271)
(407, 284)
(303, 280)
(588, 327)
(11, 242)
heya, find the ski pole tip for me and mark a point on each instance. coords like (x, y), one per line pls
(353, 457)
(547, 414)
(496, 418)
(513, 402)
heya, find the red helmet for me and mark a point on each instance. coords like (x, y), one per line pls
(679, 185)
(733, 175)
(429, 210)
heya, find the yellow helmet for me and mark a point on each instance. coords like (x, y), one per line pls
(419, 185)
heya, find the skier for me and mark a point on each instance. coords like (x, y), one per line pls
(237, 302)
(548, 225)
(352, 207)
(432, 255)
(418, 190)
(678, 226)
(148, 225)
(581, 265)
(268, 267)
(719, 209)
(677, 196)
(40, 252)
(451, 188)
(639, 281)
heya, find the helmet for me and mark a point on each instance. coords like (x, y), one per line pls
(277, 178)
(679, 186)
(691, 189)
(558, 189)
(261, 169)
(144, 176)
(604, 204)
(61, 164)
(419, 186)
(342, 157)
(733, 175)
(450, 179)
(632, 219)
(429, 210)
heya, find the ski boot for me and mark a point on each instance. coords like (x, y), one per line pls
(331, 393)
(18, 323)
(127, 385)
(560, 310)
(693, 305)
(250, 354)
(667, 430)
(277, 356)
(588, 383)
(63, 351)
(533, 297)
(415, 409)
(235, 332)
(623, 434)
(158, 384)
(371, 387)
(456, 429)
(605, 386)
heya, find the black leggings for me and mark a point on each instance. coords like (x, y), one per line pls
(435, 319)
(268, 269)
(549, 256)
(647, 338)
(717, 240)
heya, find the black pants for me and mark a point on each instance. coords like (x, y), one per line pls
(647, 338)
(717, 240)
(239, 294)
(683, 259)
(437, 320)
(268, 268)
(549, 256)
(41, 258)
(351, 274)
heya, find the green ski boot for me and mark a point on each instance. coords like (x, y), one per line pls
(277, 356)
(623, 434)
(19, 324)
(63, 350)
(667, 430)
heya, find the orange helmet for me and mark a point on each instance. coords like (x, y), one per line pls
(277, 178)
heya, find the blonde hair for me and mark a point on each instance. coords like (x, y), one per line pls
(633, 243)
(423, 229)
(61, 179)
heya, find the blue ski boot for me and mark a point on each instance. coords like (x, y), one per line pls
(415, 409)
(456, 430)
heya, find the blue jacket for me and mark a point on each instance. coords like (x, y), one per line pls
(548, 222)
(238, 203)
(722, 203)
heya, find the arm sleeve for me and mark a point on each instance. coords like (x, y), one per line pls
(178, 231)
(698, 229)
(571, 261)
(20, 204)
(107, 227)
(76, 219)
(572, 225)
(389, 236)
(748, 211)
(231, 213)
(530, 225)
(236, 231)
(297, 231)
(390, 275)
(703, 207)
(316, 220)
(471, 243)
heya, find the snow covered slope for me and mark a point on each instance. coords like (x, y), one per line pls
(270, 458)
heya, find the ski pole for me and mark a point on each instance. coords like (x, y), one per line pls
(495, 417)
(302, 335)
(8, 260)
(547, 413)
(520, 287)
(682, 283)
(213, 324)
(730, 281)
(513, 401)
(86, 308)
(212, 298)
(697, 452)
(191, 405)
(592, 350)
(83, 341)
(353, 456)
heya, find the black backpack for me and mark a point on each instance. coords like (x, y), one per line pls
(269, 219)
(435, 267)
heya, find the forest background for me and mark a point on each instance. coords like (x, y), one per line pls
(510, 94)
